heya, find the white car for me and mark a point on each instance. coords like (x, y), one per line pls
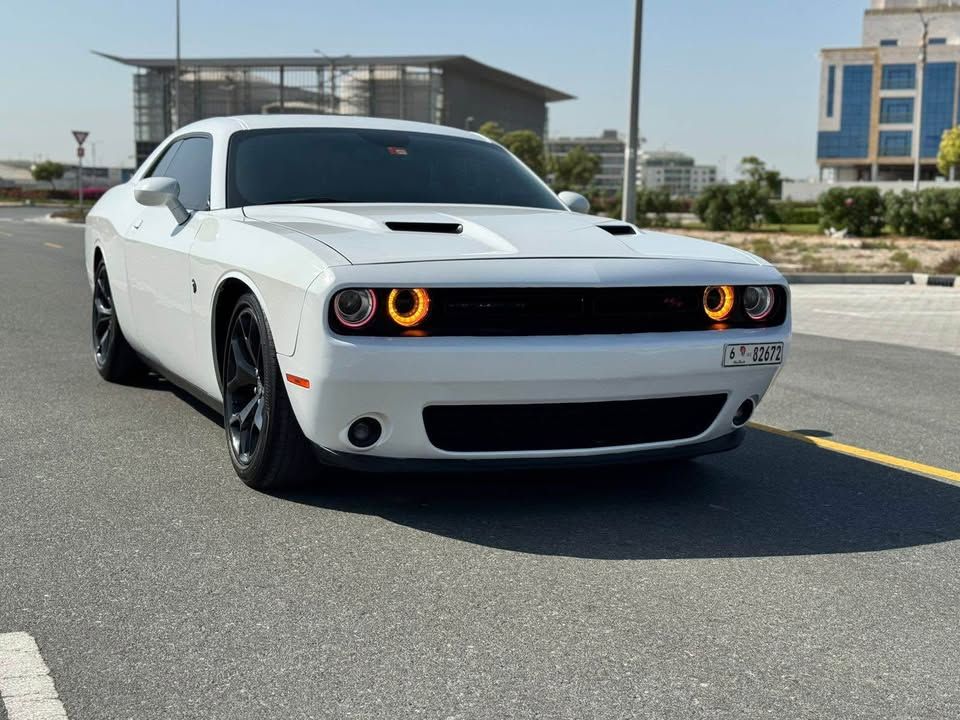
(386, 295)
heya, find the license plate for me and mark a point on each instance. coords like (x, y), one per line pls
(752, 354)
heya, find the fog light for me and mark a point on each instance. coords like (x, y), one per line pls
(743, 413)
(364, 432)
(718, 301)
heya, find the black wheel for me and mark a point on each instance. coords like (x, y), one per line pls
(115, 359)
(266, 445)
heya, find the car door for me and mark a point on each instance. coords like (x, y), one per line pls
(158, 260)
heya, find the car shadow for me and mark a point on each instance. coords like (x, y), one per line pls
(773, 496)
(154, 381)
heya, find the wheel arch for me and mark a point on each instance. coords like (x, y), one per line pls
(230, 289)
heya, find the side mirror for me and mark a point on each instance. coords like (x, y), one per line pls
(156, 191)
(574, 201)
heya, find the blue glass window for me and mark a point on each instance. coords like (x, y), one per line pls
(895, 143)
(896, 110)
(852, 139)
(898, 77)
(937, 41)
(939, 80)
(831, 88)
(889, 42)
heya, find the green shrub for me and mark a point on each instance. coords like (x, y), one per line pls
(932, 213)
(900, 213)
(789, 212)
(859, 210)
(733, 207)
(938, 213)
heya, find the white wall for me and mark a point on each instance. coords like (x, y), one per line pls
(810, 191)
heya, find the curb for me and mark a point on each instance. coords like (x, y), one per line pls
(872, 279)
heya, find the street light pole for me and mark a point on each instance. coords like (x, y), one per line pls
(918, 123)
(176, 76)
(628, 210)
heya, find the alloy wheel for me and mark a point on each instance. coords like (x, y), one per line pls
(103, 324)
(244, 401)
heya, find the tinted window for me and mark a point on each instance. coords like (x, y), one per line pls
(355, 165)
(160, 169)
(191, 168)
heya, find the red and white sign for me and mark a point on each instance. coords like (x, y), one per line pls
(80, 136)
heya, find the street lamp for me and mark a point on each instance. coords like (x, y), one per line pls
(918, 115)
(628, 211)
(176, 76)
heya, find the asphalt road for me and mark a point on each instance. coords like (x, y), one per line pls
(780, 580)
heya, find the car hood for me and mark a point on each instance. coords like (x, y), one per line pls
(362, 234)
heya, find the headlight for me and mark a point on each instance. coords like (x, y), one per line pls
(758, 302)
(408, 307)
(355, 308)
(718, 301)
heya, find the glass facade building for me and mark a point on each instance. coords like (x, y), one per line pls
(446, 89)
(879, 111)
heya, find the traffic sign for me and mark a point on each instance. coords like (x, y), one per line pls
(79, 152)
(80, 136)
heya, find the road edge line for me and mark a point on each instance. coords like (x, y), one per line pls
(864, 454)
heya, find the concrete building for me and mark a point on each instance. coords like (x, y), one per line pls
(675, 171)
(446, 89)
(608, 147)
(879, 108)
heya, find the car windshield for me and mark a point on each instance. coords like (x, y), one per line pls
(353, 165)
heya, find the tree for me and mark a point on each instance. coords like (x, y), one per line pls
(491, 130)
(528, 146)
(949, 154)
(576, 169)
(47, 171)
(756, 171)
(733, 207)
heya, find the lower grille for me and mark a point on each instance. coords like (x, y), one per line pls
(567, 426)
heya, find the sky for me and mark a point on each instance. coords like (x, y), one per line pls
(721, 79)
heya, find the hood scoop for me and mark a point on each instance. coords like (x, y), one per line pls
(425, 227)
(618, 229)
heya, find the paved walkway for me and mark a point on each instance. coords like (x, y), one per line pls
(913, 315)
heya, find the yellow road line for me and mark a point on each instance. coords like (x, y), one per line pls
(54, 246)
(871, 455)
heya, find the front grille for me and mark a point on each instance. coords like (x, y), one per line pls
(567, 426)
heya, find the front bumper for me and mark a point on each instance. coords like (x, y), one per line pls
(372, 463)
(394, 379)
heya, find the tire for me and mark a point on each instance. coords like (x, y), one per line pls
(267, 448)
(115, 360)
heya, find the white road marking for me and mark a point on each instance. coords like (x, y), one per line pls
(6, 234)
(25, 683)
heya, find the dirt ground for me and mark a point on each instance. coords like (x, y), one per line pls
(820, 253)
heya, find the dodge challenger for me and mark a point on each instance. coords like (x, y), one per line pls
(386, 295)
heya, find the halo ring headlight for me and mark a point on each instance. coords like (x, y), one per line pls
(758, 302)
(718, 301)
(408, 307)
(354, 308)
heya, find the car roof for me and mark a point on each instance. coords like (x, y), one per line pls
(234, 123)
